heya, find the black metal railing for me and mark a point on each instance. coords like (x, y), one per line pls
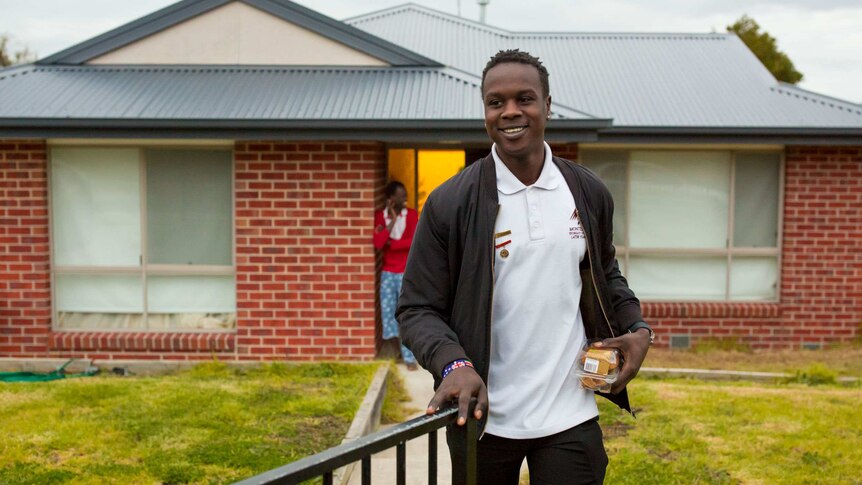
(325, 463)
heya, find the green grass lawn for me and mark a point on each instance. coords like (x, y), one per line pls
(215, 424)
(694, 432)
(211, 424)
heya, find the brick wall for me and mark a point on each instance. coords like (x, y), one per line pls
(25, 294)
(821, 292)
(305, 263)
(306, 268)
(569, 151)
(757, 325)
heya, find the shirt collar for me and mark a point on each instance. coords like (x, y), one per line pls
(508, 184)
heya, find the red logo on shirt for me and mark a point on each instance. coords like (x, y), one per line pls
(576, 232)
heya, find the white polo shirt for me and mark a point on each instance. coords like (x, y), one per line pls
(536, 328)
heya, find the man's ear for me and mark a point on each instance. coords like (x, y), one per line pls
(548, 106)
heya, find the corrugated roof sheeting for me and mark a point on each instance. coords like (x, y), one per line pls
(241, 93)
(453, 41)
(673, 80)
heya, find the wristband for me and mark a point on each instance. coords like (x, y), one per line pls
(455, 365)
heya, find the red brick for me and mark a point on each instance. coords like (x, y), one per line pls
(307, 199)
(26, 246)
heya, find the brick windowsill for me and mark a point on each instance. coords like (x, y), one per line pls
(142, 341)
(718, 309)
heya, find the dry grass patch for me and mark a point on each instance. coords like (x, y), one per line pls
(845, 361)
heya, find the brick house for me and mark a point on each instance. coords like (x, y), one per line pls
(201, 182)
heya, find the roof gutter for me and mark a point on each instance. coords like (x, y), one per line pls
(430, 131)
(732, 135)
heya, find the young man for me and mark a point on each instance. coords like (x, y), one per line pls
(512, 269)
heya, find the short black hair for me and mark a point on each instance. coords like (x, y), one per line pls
(392, 186)
(515, 55)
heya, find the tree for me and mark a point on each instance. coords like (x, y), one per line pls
(764, 47)
(7, 58)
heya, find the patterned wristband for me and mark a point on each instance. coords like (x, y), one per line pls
(456, 364)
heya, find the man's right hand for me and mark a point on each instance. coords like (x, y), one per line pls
(462, 384)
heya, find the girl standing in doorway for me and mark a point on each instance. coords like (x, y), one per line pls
(394, 227)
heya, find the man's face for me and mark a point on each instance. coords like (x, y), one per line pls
(516, 110)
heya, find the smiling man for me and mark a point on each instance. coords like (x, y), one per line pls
(512, 269)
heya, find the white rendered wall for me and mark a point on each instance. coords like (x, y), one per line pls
(237, 34)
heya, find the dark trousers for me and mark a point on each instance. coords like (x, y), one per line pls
(572, 457)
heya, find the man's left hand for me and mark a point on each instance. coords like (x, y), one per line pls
(634, 347)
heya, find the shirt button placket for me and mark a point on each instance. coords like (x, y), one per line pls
(534, 218)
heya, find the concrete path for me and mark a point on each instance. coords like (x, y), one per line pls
(419, 386)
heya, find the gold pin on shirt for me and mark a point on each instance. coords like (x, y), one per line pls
(505, 252)
(502, 234)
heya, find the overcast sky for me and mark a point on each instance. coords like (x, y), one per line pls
(822, 37)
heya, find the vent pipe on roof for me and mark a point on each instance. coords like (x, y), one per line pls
(482, 5)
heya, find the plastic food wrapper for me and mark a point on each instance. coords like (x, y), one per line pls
(597, 368)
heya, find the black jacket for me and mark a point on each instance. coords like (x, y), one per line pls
(444, 310)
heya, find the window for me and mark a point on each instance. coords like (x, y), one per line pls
(695, 225)
(142, 239)
(421, 171)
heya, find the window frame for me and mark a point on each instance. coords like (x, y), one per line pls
(144, 270)
(625, 251)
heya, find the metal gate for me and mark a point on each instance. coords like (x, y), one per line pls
(325, 463)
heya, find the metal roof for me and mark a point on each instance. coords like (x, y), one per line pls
(291, 12)
(244, 96)
(637, 79)
(672, 88)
